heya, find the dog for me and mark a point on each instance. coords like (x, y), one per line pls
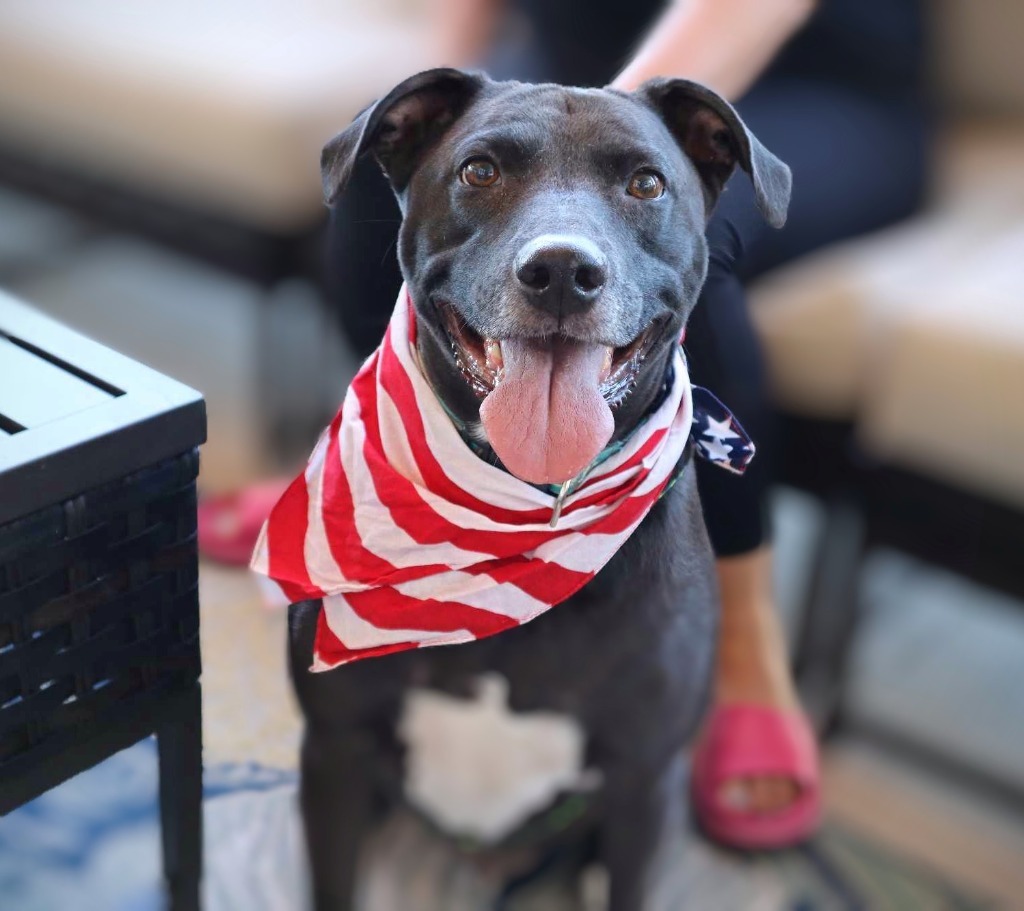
(550, 228)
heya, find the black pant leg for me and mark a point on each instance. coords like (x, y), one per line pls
(859, 163)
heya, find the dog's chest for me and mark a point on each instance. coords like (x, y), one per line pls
(479, 769)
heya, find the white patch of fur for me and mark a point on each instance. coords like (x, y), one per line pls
(478, 769)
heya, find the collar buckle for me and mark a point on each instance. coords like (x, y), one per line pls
(563, 495)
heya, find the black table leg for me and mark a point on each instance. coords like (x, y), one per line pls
(180, 744)
(831, 613)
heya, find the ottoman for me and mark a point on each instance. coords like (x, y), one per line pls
(99, 608)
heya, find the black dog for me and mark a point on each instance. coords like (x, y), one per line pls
(551, 220)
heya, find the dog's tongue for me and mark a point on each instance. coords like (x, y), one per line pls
(546, 419)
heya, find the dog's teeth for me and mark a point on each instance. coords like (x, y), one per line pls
(492, 348)
(606, 366)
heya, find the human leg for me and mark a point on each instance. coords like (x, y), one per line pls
(858, 164)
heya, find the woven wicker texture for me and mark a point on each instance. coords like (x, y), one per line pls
(98, 609)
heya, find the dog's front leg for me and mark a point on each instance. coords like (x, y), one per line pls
(643, 810)
(337, 799)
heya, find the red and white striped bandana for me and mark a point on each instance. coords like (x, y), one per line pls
(411, 540)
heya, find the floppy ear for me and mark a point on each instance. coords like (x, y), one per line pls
(399, 128)
(716, 140)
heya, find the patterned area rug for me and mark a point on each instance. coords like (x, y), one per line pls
(93, 845)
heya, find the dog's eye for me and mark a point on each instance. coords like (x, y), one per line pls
(646, 184)
(480, 172)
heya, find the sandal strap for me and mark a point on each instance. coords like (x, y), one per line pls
(748, 741)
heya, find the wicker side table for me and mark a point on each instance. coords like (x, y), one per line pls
(99, 607)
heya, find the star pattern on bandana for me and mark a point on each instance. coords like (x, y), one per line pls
(717, 435)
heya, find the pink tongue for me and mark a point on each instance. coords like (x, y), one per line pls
(546, 419)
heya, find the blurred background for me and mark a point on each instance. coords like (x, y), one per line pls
(160, 192)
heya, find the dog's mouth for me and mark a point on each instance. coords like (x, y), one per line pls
(547, 401)
(481, 360)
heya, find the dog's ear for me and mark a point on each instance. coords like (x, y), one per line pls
(399, 128)
(716, 140)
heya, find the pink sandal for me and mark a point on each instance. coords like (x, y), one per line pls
(229, 525)
(751, 741)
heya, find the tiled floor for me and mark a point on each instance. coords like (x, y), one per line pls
(939, 657)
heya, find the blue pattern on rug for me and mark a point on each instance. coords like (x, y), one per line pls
(93, 844)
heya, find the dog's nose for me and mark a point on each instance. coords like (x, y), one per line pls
(561, 274)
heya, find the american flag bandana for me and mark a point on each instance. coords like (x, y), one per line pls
(410, 539)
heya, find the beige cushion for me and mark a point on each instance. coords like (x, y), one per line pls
(822, 318)
(222, 103)
(944, 391)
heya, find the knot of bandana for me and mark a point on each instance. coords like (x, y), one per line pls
(411, 540)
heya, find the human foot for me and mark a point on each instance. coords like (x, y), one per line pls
(757, 758)
(229, 524)
(752, 743)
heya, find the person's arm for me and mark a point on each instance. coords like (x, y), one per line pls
(724, 44)
(463, 30)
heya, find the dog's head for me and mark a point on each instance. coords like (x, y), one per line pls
(553, 244)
